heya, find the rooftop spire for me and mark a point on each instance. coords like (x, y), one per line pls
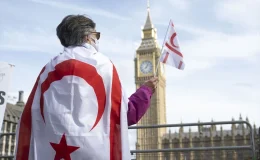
(240, 117)
(148, 5)
(148, 23)
(247, 119)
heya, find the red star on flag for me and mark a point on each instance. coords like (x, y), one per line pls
(62, 149)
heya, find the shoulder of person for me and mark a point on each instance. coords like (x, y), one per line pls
(102, 59)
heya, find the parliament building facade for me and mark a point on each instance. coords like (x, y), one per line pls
(11, 119)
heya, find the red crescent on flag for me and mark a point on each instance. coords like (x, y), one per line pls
(172, 40)
(80, 69)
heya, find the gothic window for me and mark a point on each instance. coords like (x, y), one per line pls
(12, 149)
(6, 144)
(8, 127)
(14, 127)
(13, 139)
(6, 148)
(1, 148)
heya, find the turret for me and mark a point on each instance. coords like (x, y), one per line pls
(181, 131)
(221, 132)
(199, 129)
(255, 131)
(190, 138)
(247, 127)
(213, 126)
(211, 133)
(241, 125)
(233, 128)
(170, 134)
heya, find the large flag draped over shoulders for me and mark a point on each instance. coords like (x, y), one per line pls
(171, 53)
(76, 111)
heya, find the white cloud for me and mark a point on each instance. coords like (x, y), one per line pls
(89, 10)
(30, 40)
(194, 30)
(192, 65)
(118, 47)
(206, 43)
(180, 4)
(204, 46)
(223, 45)
(191, 105)
(239, 12)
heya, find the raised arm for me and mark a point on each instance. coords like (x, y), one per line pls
(139, 102)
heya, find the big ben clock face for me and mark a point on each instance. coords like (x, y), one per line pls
(146, 67)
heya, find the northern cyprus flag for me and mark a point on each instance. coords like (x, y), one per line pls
(171, 53)
(76, 111)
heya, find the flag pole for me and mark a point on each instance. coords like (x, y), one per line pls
(158, 63)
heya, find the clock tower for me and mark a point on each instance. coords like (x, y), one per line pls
(146, 59)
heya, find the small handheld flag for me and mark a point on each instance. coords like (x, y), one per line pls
(171, 53)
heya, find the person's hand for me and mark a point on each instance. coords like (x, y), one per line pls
(152, 83)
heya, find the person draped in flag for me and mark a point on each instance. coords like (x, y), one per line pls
(77, 109)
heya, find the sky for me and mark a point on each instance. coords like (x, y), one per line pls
(220, 41)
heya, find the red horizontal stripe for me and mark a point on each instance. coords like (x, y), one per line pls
(180, 64)
(173, 50)
(115, 137)
(166, 57)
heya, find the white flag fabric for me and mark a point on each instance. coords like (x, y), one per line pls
(76, 111)
(5, 78)
(171, 53)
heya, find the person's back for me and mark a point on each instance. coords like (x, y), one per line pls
(77, 108)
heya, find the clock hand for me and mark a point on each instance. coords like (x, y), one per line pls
(147, 66)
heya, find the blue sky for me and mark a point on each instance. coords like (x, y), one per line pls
(219, 39)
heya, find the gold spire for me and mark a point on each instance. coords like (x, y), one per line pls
(149, 33)
(148, 23)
